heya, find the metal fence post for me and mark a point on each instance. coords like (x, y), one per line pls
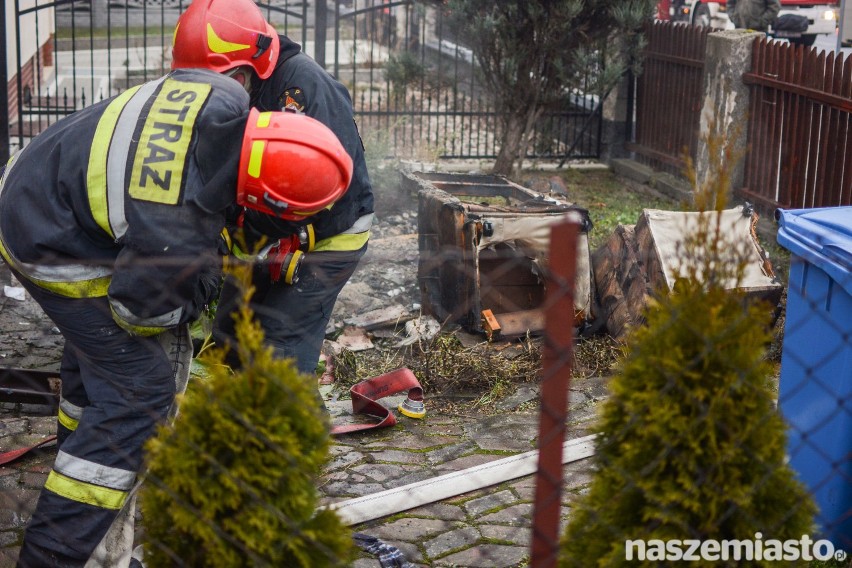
(556, 374)
(320, 22)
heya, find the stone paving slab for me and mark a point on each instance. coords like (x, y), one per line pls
(489, 527)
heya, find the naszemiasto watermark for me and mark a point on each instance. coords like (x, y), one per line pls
(688, 550)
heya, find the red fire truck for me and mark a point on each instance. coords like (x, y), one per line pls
(821, 14)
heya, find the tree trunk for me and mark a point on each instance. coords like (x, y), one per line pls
(510, 145)
(517, 132)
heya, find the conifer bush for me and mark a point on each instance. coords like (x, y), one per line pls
(690, 444)
(232, 483)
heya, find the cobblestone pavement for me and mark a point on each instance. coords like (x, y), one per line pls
(490, 527)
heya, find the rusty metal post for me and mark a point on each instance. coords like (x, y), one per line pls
(556, 375)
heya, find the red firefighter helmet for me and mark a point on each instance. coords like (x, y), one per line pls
(223, 34)
(291, 165)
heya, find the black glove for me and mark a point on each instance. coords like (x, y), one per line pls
(206, 290)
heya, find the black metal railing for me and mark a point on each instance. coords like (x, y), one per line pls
(412, 82)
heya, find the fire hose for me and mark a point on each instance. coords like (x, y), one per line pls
(366, 394)
(12, 455)
(284, 258)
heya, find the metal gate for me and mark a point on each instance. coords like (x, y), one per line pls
(414, 85)
(415, 82)
(69, 54)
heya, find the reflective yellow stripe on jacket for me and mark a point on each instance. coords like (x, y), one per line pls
(352, 239)
(70, 280)
(105, 188)
(343, 242)
(73, 281)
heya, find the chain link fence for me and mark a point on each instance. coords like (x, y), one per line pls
(700, 446)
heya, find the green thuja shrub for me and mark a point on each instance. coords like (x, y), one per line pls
(232, 483)
(691, 445)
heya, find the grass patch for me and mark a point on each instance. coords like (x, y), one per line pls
(495, 200)
(610, 201)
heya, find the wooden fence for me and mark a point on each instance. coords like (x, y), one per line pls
(800, 123)
(799, 145)
(668, 96)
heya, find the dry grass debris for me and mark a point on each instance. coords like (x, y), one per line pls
(481, 374)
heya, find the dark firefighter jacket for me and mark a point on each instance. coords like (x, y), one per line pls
(127, 198)
(300, 84)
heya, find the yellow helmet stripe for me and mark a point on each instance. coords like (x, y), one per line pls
(314, 212)
(219, 45)
(256, 158)
(263, 119)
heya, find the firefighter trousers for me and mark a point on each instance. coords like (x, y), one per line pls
(293, 317)
(116, 388)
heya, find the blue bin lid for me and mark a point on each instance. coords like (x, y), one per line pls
(822, 237)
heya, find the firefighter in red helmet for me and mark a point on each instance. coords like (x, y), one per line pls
(227, 37)
(110, 219)
(293, 312)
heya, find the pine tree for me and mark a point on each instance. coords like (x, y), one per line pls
(691, 445)
(532, 52)
(232, 483)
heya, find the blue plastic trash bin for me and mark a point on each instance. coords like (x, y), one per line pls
(815, 390)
